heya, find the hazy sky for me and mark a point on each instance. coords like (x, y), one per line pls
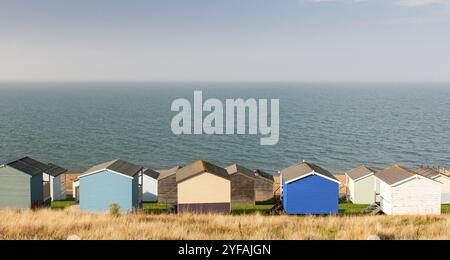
(305, 40)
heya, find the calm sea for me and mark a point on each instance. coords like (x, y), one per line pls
(338, 126)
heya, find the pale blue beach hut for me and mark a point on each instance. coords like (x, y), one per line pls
(115, 182)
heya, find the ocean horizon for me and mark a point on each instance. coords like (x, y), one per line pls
(339, 126)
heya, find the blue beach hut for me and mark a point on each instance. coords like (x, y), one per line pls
(309, 190)
(115, 182)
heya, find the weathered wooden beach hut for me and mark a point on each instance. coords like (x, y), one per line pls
(167, 186)
(437, 176)
(203, 188)
(405, 192)
(70, 178)
(242, 185)
(264, 186)
(149, 185)
(309, 190)
(361, 185)
(115, 182)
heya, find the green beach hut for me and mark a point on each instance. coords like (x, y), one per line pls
(361, 185)
(21, 184)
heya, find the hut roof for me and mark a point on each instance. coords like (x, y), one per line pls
(359, 172)
(235, 168)
(55, 170)
(264, 175)
(394, 174)
(33, 167)
(119, 166)
(304, 169)
(151, 173)
(427, 172)
(166, 173)
(200, 167)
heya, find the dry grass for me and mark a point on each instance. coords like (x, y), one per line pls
(47, 224)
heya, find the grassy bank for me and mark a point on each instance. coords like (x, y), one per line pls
(59, 224)
(155, 208)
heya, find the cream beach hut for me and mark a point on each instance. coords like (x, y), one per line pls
(361, 185)
(404, 192)
(203, 188)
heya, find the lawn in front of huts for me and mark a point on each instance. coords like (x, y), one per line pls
(345, 209)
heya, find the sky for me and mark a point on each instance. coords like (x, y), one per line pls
(225, 40)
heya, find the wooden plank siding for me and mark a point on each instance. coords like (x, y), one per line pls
(242, 189)
(15, 189)
(277, 186)
(70, 177)
(167, 190)
(19, 190)
(263, 189)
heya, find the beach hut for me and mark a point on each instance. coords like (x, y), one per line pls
(361, 185)
(70, 178)
(167, 186)
(55, 183)
(264, 186)
(309, 190)
(53, 186)
(242, 185)
(20, 186)
(203, 188)
(437, 176)
(149, 184)
(115, 182)
(76, 189)
(276, 185)
(404, 192)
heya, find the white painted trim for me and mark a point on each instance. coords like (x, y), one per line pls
(313, 173)
(443, 175)
(410, 179)
(102, 170)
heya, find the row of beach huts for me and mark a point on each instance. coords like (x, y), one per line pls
(202, 187)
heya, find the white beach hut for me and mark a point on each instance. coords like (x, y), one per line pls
(405, 192)
(149, 184)
(437, 176)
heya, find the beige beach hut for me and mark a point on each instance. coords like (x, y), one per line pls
(203, 188)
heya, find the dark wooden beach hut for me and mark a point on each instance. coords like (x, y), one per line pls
(242, 185)
(167, 186)
(264, 186)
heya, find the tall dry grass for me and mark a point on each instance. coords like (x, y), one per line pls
(47, 224)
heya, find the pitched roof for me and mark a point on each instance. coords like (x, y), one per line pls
(55, 170)
(151, 173)
(394, 174)
(120, 166)
(235, 168)
(264, 175)
(427, 172)
(29, 166)
(359, 172)
(303, 169)
(166, 173)
(200, 167)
